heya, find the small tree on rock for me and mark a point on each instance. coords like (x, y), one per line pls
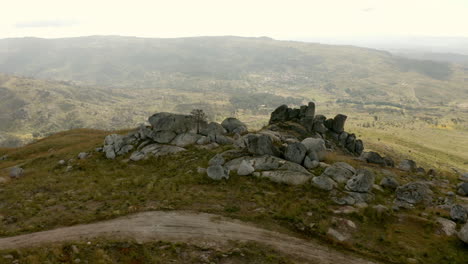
(199, 116)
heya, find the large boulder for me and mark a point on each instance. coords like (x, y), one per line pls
(185, 139)
(316, 149)
(281, 114)
(407, 165)
(172, 122)
(359, 147)
(217, 172)
(463, 233)
(233, 125)
(413, 193)
(458, 213)
(338, 123)
(261, 145)
(295, 152)
(286, 177)
(362, 182)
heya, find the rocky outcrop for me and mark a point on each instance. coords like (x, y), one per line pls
(333, 129)
(389, 183)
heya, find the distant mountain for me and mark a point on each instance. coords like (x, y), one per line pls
(231, 64)
(119, 81)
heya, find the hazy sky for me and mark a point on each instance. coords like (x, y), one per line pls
(289, 19)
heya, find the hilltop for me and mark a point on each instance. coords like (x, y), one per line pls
(303, 175)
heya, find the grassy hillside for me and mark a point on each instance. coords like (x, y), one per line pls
(49, 196)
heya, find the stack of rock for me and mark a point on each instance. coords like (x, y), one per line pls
(171, 133)
(332, 128)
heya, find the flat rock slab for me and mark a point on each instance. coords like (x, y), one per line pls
(185, 227)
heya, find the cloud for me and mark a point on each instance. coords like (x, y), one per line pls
(369, 9)
(46, 23)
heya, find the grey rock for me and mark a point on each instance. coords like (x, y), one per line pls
(346, 200)
(359, 147)
(295, 152)
(280, 114)
(174, 122)
(185, 139)
(316, 149)
(286, 177)
(407, 165)
(82, 155)
(217, 172)
(203, 140)
(389, 183)
(324, 183)
(458, 213)
(4, 157)
(414, 193)
(216, 160)
(362, 182)
(463, 189)
(261, 145)
(373, 157)
(240, 130)
(99, 149)
(266, 163)
(340, 172)
(448, 227)
(339, 123)
(337, 236)
(163, 137)
(342, 139)
(310, 164)
(137, 155)
(125, 149)
(362, 198)
(213, 128)
(231, 124)
(16, 172)
(62, 162)
(463, 233)
(245, 168)
(310, 110)
(110, 153)
(222, 140)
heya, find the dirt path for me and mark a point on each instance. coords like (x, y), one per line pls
(189, 227)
